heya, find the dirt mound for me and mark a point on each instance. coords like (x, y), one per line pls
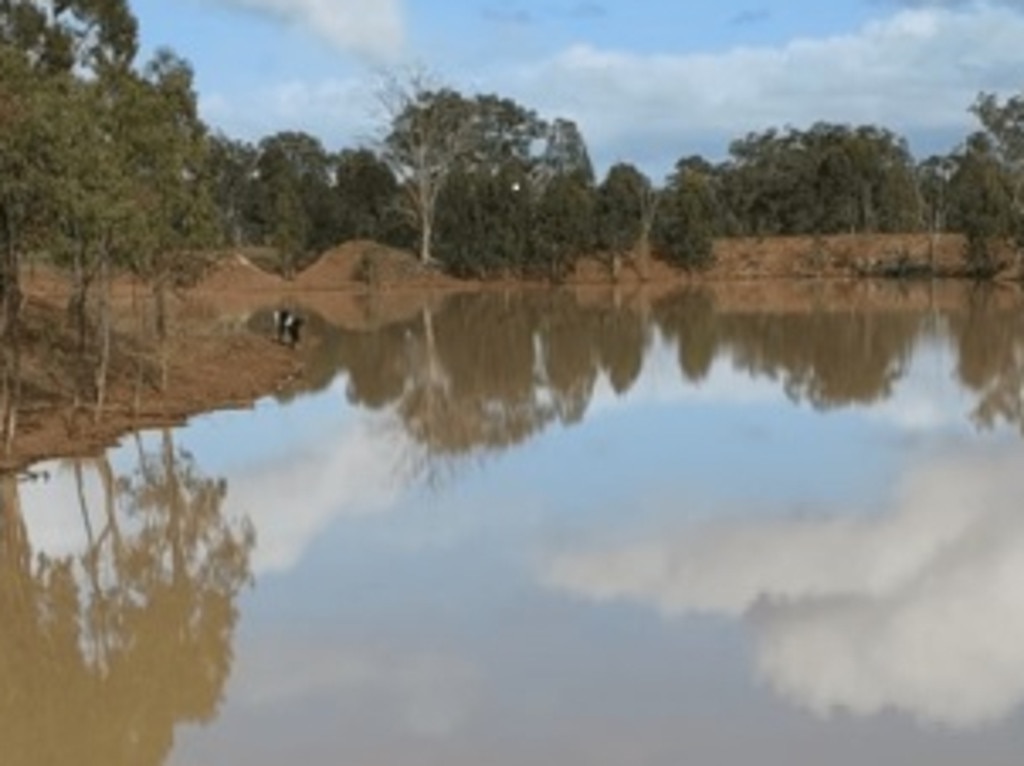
(367, 264)
(236, 272)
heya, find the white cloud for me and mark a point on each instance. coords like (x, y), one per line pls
(916, 72)
(371, 29)
(339, 111)
(919, 609)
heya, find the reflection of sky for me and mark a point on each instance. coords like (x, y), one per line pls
(612, 591)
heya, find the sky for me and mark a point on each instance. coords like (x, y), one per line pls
(648, 81)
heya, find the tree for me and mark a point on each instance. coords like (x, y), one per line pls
(624, 213)
(982, 195)
(165, 144)
(283, 217)
(563, 225)
(1004, 124)
(231, 170)
(566, 153)
(429, 131)
(685, 230)
(827, 179)
(365, 196)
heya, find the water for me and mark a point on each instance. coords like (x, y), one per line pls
(534, 528)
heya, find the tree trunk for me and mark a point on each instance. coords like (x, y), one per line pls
(160, 298)
(426, 235)
(10, 309)
(10, 280)
(79, 295)
(103, 363)
(10, 392)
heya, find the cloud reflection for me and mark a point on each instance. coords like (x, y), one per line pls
(293, 498)
(428, 695)
(919, 609)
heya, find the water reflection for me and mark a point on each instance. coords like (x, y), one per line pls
(683, 493)
(104, 653)
(917, 607)
(483, 372)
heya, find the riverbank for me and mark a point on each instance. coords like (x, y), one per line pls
(203, 366)
(221, 353)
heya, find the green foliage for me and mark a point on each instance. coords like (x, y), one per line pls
(684, 234)
(230, 170)
(365, 200)
(829, 179)
(484, 224)
(1004, 128)
(563, 226)
(982, 191)
(620, 208)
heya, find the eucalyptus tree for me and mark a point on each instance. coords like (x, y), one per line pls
(293, 195)
(981, 192)
(166, 157)
(685, 229)
(563, 225)
(625, 207)
(1004, 123)
(829, 178)
(365, 196)
(231, 170)
(24, 97)
(429, 130)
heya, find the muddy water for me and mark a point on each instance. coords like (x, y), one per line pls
(539, 529)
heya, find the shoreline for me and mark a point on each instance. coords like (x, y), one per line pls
(219, 331)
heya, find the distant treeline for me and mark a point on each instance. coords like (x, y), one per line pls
(105, 166)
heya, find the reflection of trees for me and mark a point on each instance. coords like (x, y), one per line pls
(488, 370)
(830, 358)
(689, 320)
(102, 655)
(991, 356)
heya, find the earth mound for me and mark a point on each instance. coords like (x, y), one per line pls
(368, 264)
(236, 272)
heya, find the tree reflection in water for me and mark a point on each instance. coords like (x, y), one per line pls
(478, 373)
(990, 360)
(103, 654)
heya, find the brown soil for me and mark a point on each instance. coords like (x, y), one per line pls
(840, 256)
(236, 272)
(363, 264)
(206, 367)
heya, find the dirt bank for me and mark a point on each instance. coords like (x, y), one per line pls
(364, 266)
(203, 366)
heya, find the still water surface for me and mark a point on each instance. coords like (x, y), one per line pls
(534, 529)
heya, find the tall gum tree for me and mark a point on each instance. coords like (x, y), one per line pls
(429, 131)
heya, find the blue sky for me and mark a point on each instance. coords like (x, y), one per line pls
(647, 81)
